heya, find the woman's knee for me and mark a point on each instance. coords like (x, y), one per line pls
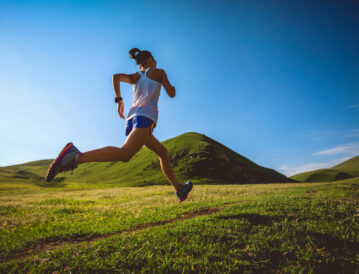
(126, 155)
(120, 154)
(126, 158)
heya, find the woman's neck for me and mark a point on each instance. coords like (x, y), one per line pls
(144, 68)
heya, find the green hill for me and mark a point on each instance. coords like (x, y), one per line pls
(350, 166)
(321, 175)
(32, 171)
(194, 156)
(345, 170)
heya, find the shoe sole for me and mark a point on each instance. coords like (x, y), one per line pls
(51, 170)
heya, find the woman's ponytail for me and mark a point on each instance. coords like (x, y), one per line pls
(140, 56)
(134, 53)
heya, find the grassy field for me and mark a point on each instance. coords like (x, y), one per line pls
(293, 227)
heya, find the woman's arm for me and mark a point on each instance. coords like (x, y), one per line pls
(116, 79)
(171, 91)
(121, 77)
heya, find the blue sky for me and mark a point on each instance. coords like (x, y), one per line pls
(276, 81)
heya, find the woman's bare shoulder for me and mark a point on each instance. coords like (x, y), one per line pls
(155, 74)
(134, 77)
(160, 72)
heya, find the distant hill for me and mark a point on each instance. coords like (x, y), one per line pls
(194, 156)
(345, 170)
(321, 175)
(32, 171)
(350, 166)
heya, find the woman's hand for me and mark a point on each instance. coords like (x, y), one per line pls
(120, 109)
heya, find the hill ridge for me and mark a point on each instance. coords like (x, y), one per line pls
(345, 170)
(193, 155)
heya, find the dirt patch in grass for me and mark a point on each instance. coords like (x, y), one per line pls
(313, 190)
(184, 216)
(200, 212)
(54, 242)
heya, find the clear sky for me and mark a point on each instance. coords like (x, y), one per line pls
(276, 81)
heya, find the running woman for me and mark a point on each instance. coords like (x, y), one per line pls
(140, 122)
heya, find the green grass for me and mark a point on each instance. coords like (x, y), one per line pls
(296, 227)
(193, 156)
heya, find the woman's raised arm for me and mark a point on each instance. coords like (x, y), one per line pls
(171, 91)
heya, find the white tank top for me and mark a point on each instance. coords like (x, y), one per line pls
(146, 93)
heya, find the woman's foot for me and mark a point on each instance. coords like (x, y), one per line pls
(184, 190)
(67, 160)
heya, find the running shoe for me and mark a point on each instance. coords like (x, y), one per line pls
(67, 160)
(184, 190)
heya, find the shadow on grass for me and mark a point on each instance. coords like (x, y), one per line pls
(55, 183)
(353, 186)
(342, 251)
(254, 219)
(329, 253)
(334, 244)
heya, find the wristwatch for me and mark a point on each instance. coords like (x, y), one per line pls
(117, 99)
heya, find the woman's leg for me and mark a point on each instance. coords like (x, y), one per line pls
(134, 142)
(153, 144)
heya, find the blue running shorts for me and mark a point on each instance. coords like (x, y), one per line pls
(139, 122)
